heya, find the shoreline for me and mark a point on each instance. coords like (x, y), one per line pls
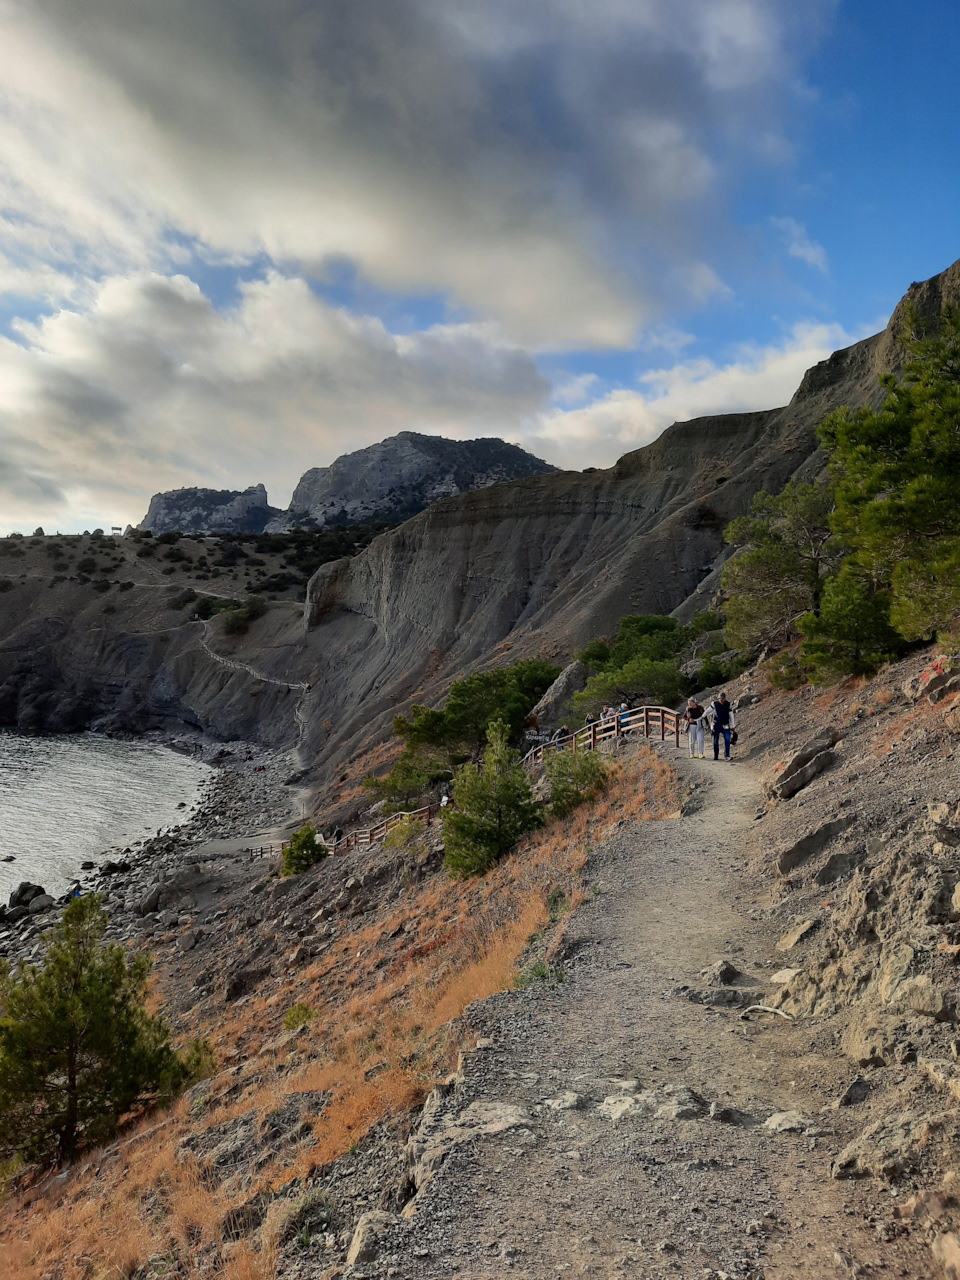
(248, 800)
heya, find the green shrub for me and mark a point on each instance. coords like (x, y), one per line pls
(298, 1015)
(238, 620)
(495, 808)
(304, 851)
(403, 834)
(575, 776)
(785, 671)
(852, 635)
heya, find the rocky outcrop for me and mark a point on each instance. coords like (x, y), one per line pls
(402, 475)
(209, 511)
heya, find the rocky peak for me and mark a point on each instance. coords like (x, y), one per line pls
(402, 475)
(209, 511)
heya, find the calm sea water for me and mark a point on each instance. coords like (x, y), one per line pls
(64, 800)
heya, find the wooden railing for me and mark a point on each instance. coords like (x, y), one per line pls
(648, 722)
(642, 721)
(364, 839)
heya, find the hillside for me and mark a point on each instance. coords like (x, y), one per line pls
(537, 565)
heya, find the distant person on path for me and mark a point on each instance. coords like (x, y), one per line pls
(693, 719)
(338, 835)
(721, 714)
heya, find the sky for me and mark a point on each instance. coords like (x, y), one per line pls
(242, 237)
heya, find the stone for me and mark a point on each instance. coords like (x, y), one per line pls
(869, 1044)
(722, 974)
(565, 1102)
(817, 755)
(368, 1237)
(809, 845)
(682, 1104)
(783, 976)
(946, 1253)
(797, 934)
(921, 995)
(926, 1206)
(944, 1075)
(890, 1146)
(787, 1122)
(931, 680)
(618, 1105)
(24, 893)
(42, 902)
(150, 900)
(187, 941)
(438, 1133)
(857, 1091)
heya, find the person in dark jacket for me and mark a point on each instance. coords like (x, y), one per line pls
(721, 715)
(693, 719)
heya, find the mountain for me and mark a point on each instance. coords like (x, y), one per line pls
(388, 482)
(538, 564)
(209, 511)
(399, 477)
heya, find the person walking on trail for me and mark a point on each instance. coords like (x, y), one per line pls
(721, 714)
(693, 719)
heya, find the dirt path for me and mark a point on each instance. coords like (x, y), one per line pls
(667, 1189)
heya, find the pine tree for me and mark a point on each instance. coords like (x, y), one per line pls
(788, 549)
(495, 807)
(852, 633)
(77, 1046)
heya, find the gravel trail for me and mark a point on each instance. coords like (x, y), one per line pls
(688, 1181)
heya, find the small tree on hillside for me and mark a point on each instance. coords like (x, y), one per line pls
(852, 634)
(304, 850)
(575, 777)
(77, 1046)
(495, 807)
(788, 549)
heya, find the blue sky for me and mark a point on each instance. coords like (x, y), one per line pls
(237, 241)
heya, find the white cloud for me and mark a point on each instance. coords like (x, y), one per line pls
(799, 245)
(151, 388)
(548, 165)
(755, 378)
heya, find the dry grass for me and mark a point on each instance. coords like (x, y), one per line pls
(388, 1000)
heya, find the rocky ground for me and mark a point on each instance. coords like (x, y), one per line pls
(643, 1116)
(738, 1058)
(155, 887)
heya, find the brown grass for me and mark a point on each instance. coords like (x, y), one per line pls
(383, 1036)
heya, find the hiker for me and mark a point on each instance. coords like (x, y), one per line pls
(338, 835)
(721, 714)
(693, 719)
(589, 719)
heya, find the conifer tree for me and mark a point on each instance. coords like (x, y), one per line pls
(77, 1046)
(495, 807)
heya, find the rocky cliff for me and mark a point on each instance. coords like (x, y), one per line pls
(401, 476)
(209, 511)
(387, 482)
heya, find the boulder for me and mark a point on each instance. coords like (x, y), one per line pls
(946, 1253)
(869, 1044)
(787, 1122)
(933, 680)
(797, 934)
(42, 902)
(24, 893)
(368, 1238)
(548, 711)
(150, 901)
(812, 759)
(890, 1147)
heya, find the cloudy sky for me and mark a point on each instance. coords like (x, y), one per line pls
(241, 237)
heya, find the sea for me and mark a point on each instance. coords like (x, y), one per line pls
(68, 799)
